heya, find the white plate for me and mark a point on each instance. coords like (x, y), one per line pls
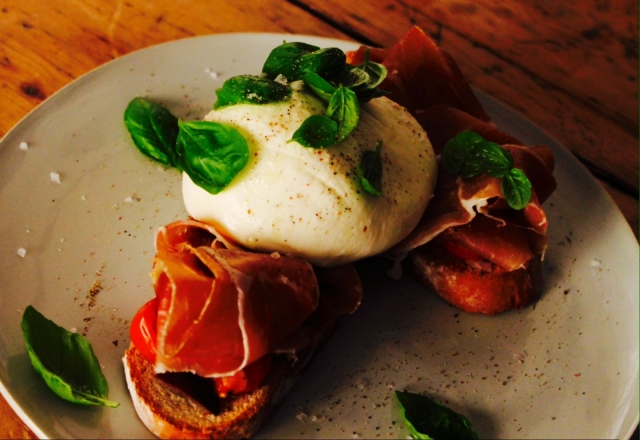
(567, 367)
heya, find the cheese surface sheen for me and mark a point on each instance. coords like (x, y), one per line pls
(309, 202)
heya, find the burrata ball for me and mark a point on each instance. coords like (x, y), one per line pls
(310, 202)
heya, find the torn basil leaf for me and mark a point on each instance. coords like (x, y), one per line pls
(65, 361)
(249, 89)
(317, 131)
(370, 171)
(468, 155)
(211, 153)
(427, 419)
(154, 130)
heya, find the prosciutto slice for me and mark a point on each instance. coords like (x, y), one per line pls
(471, 212)
(219, 308)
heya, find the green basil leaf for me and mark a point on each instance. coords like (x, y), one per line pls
(322, 88)
(294, 60)
(153, 129)
(317, 131)
(469, 155)
(493, 159)
(285, 60)
(211, 153)
(370, 171)
(458, 156)
(428, 419)
(516, 188)
(65, 361)
(249, 89)
(365, 78)
(329, 63)
(345, 110)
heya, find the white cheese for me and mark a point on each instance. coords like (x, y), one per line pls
(309, 202)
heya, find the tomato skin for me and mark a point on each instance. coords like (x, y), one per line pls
(460, 251)
(143, 330)
(245, 380)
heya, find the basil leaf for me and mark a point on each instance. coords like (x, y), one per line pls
(317, 131)
(365, 78)
(211, 153)
(249, 89)
(322, 88)
(370, 171)
(493, 159)
(294, 60)
(329, 63)
(153, 129)
(285, 59)
(458, 156)
(468, 155)
(345, 110)
(428, 419)
(65, 361)
(516, 188)
(375, 72)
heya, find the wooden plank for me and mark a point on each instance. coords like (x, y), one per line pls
(576, 76)
(46, 45)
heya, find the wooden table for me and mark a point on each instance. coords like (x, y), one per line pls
(571, 66)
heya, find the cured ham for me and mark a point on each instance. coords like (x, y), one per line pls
(222, 308)
(472, 211)
(421, 75)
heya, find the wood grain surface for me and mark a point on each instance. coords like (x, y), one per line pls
(570, 66)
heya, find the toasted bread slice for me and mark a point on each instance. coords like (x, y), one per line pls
(171, 411)
(476, 288)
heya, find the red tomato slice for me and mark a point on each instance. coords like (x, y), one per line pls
(143, 330)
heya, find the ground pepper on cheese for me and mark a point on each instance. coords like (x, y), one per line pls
(309, 202)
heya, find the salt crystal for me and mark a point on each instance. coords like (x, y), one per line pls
(22, 252)
(212, 74)
(73, 329)
(595, 263)
(301, 416)
(83, 197)
(55, 177)
(24, 146)
(281, 79)
(128, 200)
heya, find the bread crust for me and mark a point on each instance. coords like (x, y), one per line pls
(476, 288)
(169, 412)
